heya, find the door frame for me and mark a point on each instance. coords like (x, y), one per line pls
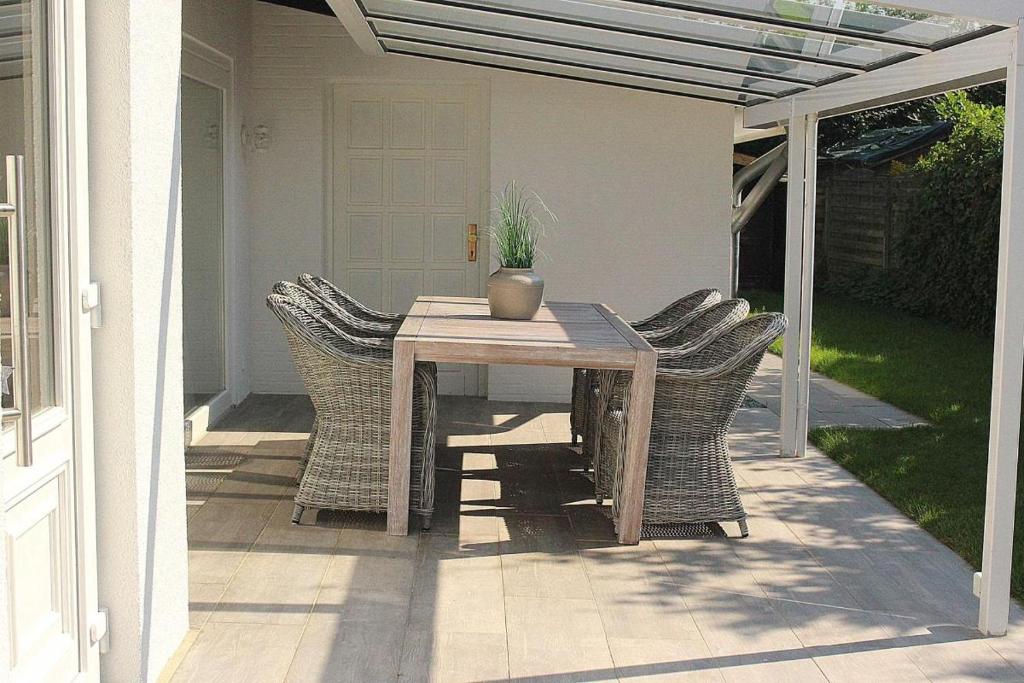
(327, 232)
(206, 64)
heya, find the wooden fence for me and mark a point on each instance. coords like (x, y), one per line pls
(859, 217)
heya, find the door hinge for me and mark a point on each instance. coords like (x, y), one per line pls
(91, 304)
(99, 631)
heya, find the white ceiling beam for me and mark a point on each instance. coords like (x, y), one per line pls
(975, 62)
(351, 17)
(1002, 12)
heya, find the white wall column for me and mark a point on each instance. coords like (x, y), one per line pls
(793, 307)
(1008, 364)
(134, 52)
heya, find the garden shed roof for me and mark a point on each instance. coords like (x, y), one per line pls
(884, 144)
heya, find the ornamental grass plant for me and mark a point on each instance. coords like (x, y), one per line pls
(520, 220)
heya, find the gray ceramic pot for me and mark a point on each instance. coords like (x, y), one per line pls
(514, 293)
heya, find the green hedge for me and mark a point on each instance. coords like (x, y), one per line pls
(945, 259)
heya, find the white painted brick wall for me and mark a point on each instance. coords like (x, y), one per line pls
(641, 182)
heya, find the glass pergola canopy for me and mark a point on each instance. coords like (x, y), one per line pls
(741, 52)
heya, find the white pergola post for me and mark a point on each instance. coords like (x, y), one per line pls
(799, 281)
(1008, 364)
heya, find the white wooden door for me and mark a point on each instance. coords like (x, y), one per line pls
(409, 171)
(47, 519)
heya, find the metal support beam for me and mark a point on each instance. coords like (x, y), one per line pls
(809, 200)
(793, 284)
(1007, 364)
(351, 17)
(982, 60)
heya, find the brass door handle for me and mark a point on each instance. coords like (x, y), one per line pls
(471, 239)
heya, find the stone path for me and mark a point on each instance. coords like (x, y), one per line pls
(832, 404)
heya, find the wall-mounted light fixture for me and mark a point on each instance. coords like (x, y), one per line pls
(256, 138)
(261, 137)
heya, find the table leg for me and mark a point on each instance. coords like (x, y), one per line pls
(401, 436)
(638, 437)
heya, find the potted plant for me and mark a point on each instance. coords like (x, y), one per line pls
(515, 291)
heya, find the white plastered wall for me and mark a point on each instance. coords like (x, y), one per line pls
(640, 182)
(135, 220)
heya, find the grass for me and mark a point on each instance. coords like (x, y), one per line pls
(935, 474)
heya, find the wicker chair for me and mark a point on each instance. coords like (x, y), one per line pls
(345, 321)
(696, 395)
(706, 325)
(388, 323)
(662, 323)
(349, 382)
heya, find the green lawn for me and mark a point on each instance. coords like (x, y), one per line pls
(936, 474)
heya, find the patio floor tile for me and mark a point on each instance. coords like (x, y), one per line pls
(454, 657)
(335, 649)
(521, 576)
(239, 652)
(559, 639)
(665, 660)
(272, 588)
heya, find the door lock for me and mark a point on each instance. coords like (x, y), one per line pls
(471, 241)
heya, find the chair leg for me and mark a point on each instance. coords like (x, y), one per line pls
(297, 513)
(426, 520)
(744, 532)
(599, 499)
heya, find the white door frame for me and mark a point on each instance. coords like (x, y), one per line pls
(92, 624)
(69, 163)
(483, 245)
(206, 64)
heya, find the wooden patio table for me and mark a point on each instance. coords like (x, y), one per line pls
(580, 335)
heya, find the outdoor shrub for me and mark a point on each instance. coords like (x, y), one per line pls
(945, 259)
(947, 255)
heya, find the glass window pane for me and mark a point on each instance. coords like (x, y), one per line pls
(615, 63)
(416, 16)
(202, 241)
(647, 20)
(24, 130)
(585, 73)
(861, 17)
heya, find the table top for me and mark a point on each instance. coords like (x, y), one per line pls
(461, 330)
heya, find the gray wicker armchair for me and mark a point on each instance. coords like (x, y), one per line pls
(705, 325)
(662, 323)
(696, 395)
(349, 381)
(374, 333)
(371, 333)
(388, 323)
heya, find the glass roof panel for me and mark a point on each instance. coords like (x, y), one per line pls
(640, 19)
(596, 75)
(571, 56)
(842, 16)
(420, 13)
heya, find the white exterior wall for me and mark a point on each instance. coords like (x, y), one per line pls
(640, 182)
(135, 222)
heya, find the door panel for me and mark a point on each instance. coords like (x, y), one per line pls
(408, 165)
(39, 553)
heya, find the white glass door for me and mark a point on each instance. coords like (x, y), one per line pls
(46, 546)
(202, 241)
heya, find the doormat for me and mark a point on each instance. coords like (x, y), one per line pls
(650, 532)
(751, 402)
(205, 471)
